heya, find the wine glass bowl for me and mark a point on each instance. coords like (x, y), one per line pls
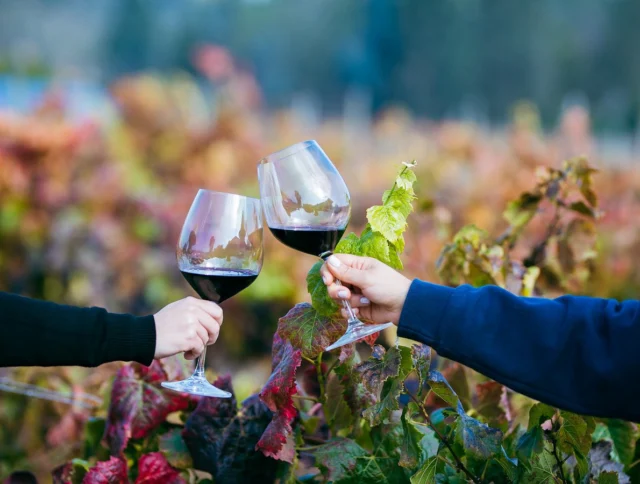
(219, 253)
(307, 207)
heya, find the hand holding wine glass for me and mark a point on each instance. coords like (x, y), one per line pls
(307, 207)
(219, 254)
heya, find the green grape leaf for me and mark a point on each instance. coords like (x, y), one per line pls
(337, 412)
(387, 220)
(348, 245)
(531, 442)
(539, 414)
(440, 386)
(410, 451)
(583, 209)
(575, 433)
(608, 477)
(174, 448)
(337, 459)
(519, 212)
(479, 440)
(309, 331)
(320, 300)
(427, 473)
(400, 200)
(421, 356)
(624, 436)
(356, 394)
(407, 178)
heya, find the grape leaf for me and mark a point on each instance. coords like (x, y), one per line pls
(320, 299)
(575, 433)
(391, 389)
(520, 212)
(387, 220)
(479, 440)
(488, 404)
(356, 395)
(608, 477)
(399, 199)
(379, 367)
(624, 437)
(277, 440)
(370, 339)
(153, 468)
(427, 473)
(337, 412)
(173, 447)
(337, 459)
(421, 356)
(600, 459)
(410, 452)
(440, 386)
(531, 442)
(70, 473)
(276, 394)
(348, 245)
(309, 331)
(112, 471)
(222, 439)
(540, 413)
(139, 404)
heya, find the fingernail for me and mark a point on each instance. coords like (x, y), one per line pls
(334, 261)
(364, 300)
(324, 279)
(343, 294)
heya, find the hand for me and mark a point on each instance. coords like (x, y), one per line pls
(378, 292)
(187, 326)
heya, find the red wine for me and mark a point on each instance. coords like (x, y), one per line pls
(310, 240)
(218, 285)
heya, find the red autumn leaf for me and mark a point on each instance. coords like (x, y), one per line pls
(276, 394)
(139, 404)
(222, 439)
(371, 339)
(277, 440)
(62, 474)
(308, 330)
(112, 471)
(70, 428)
(346, 352)
(153, 468)
(176, 367)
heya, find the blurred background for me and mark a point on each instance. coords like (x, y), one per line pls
(113, 114)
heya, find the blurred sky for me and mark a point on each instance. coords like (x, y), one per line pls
(437, 58)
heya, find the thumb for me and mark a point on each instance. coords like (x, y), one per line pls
(345, 267)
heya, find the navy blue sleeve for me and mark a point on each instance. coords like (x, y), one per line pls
(577, 353)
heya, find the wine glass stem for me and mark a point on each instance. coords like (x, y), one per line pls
(352, 317)
(200, 363)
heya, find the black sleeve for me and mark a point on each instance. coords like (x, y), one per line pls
(39, 333)
(577, 353)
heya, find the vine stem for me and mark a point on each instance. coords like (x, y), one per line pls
(445, 441)
(331, 367)
(320, 378)
(558, 460)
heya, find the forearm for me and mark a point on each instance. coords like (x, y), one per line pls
(39, 333)
(572, 352)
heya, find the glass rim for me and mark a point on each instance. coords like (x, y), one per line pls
(288, 151)
(237, 195)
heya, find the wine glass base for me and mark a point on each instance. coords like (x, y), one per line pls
(196, 385)
(356, 332)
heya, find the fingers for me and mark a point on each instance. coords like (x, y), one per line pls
(327, 277)
(209, 307)
(349, 268)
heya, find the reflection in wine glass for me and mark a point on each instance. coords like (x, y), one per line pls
(220, 254)
(307, 207)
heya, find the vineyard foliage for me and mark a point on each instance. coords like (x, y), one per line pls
(376, 414)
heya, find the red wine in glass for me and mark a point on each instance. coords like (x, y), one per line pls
(307, 207)
(219, 254)
(310, 240)
(218, 285)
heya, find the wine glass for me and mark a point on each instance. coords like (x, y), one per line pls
(219, 254)
(307, 207)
